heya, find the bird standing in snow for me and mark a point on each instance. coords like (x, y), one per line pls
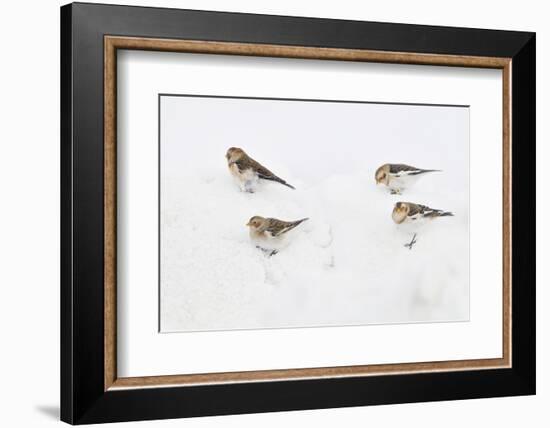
(269, 234)
(247, 171)
(398, 177)
(408, 212)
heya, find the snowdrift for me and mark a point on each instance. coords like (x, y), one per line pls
(347, 265)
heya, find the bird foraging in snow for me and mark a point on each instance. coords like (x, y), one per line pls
(398, 177)
(270, 234)
(247, 171)
(408, 212)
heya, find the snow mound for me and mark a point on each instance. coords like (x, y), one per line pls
(346, 265)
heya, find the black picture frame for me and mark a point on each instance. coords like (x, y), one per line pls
(83, 397)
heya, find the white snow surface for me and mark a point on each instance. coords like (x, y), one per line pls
(347, 265)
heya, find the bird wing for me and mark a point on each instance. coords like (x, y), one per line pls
(247, 162)
(396, 168)
(426, 211)
(401, 169)
(278, 227)
(417, 209)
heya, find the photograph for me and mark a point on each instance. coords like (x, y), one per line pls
(271, 210)
(293, 213)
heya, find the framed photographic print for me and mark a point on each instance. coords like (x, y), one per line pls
(265, 213)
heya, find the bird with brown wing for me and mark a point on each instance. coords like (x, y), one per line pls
(270, 234)
(248, 172)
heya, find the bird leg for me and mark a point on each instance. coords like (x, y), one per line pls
(395, 191)
(410, 244)
(266, 251)
(248, 186)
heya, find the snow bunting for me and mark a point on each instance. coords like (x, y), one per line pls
(399, 176)
(407, 212)
(269, 234)
(247, 171)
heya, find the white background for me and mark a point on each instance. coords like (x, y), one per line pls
(142, 351)
(29, 218)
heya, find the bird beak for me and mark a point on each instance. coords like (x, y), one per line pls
(248, 224)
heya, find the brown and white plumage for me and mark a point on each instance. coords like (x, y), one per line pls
(247, 171)
(270, 234)
(398, 177)
(408, 212)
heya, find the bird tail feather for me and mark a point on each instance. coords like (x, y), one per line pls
(281, 181)
(422, 171)
(297, 223)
